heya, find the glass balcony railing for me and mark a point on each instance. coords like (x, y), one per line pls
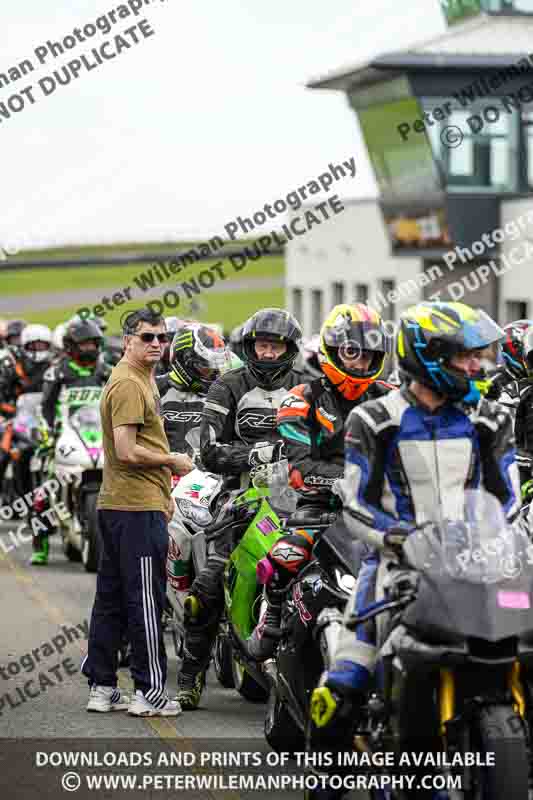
(460, 10)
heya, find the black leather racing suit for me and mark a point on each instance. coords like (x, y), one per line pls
(238, 413)
(311, 420)
(524, 428)
(182, 415)
(18, 375)
(64, 374)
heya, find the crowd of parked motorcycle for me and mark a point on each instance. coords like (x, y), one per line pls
(289, 567)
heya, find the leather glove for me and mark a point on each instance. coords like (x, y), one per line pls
(496, 387)
(335, 703)
(527, 491)
(399, 582)
(395, 537)
(266, 453)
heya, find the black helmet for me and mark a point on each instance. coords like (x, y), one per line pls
(14, 329)
(111, 354)
(272, 324)
(198, 356)
(431, 333)
(79, 331)
(513, 352)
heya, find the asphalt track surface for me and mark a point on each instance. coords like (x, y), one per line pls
(36, 603)
(90, 297)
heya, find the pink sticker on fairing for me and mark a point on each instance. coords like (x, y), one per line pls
(513, 600)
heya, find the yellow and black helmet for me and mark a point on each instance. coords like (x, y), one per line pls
(431, 334)
(348, 331)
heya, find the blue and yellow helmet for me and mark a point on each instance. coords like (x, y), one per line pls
(431, 334)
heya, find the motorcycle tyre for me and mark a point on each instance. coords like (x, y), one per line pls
(501, 731)
(91, 538)
(223, 662)
(281, 731)
(246, 686)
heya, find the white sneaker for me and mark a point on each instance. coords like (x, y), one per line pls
(141, 707)
(107, 698)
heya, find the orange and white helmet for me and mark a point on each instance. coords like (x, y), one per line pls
(349, 331)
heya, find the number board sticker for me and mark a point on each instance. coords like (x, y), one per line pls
(513, 599)
(267, 525)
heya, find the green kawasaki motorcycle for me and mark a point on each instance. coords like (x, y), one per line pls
(262, 509)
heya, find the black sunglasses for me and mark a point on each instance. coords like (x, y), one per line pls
(162, 338)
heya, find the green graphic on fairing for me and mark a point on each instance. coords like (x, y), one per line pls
(242, 593)
(91, 438)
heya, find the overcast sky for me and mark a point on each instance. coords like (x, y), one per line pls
(203, 121)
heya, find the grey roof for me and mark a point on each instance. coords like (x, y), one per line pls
(486, 41)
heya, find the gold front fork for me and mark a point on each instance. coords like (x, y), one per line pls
(447, 698)
(515, 685)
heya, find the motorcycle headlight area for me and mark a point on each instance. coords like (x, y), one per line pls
(345, 581)
(86, 421)
(196, 514)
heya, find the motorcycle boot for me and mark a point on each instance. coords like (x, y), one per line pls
(201, 625)
(40, 546)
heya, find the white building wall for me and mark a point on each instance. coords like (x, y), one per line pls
(353, 248)
(516, 284)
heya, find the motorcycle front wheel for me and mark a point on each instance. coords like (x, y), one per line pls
(501, 731)
(281, 731)
(246, 685)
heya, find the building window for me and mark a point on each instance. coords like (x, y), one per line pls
(515, 309)
(360, 293)
(390, 307)
(297, 304)
(482, 146)
(337, 293)
(509, 6)
(316, 310)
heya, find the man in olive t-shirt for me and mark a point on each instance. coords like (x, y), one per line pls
(130, 398)
(134, 508)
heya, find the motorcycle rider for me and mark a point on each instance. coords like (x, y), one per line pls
(524, 413)
(309, 354)
(238, 433)
(513, 369)
(57, 339)
(110, 355)
(198, 356)
(14, 332)
(82, 342)
(511, 387)
(3, 338)
(396, 477)
(22, 370)
(351, 356)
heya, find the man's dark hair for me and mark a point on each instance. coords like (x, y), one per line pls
(131, 322)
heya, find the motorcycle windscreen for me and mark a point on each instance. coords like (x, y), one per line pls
(28, 414)
(275, 478)
(476, 575)
(338, 546)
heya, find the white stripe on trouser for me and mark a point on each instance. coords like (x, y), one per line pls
(155, 694)
(84, 659)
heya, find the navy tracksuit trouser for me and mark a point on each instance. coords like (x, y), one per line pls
(131, 593)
